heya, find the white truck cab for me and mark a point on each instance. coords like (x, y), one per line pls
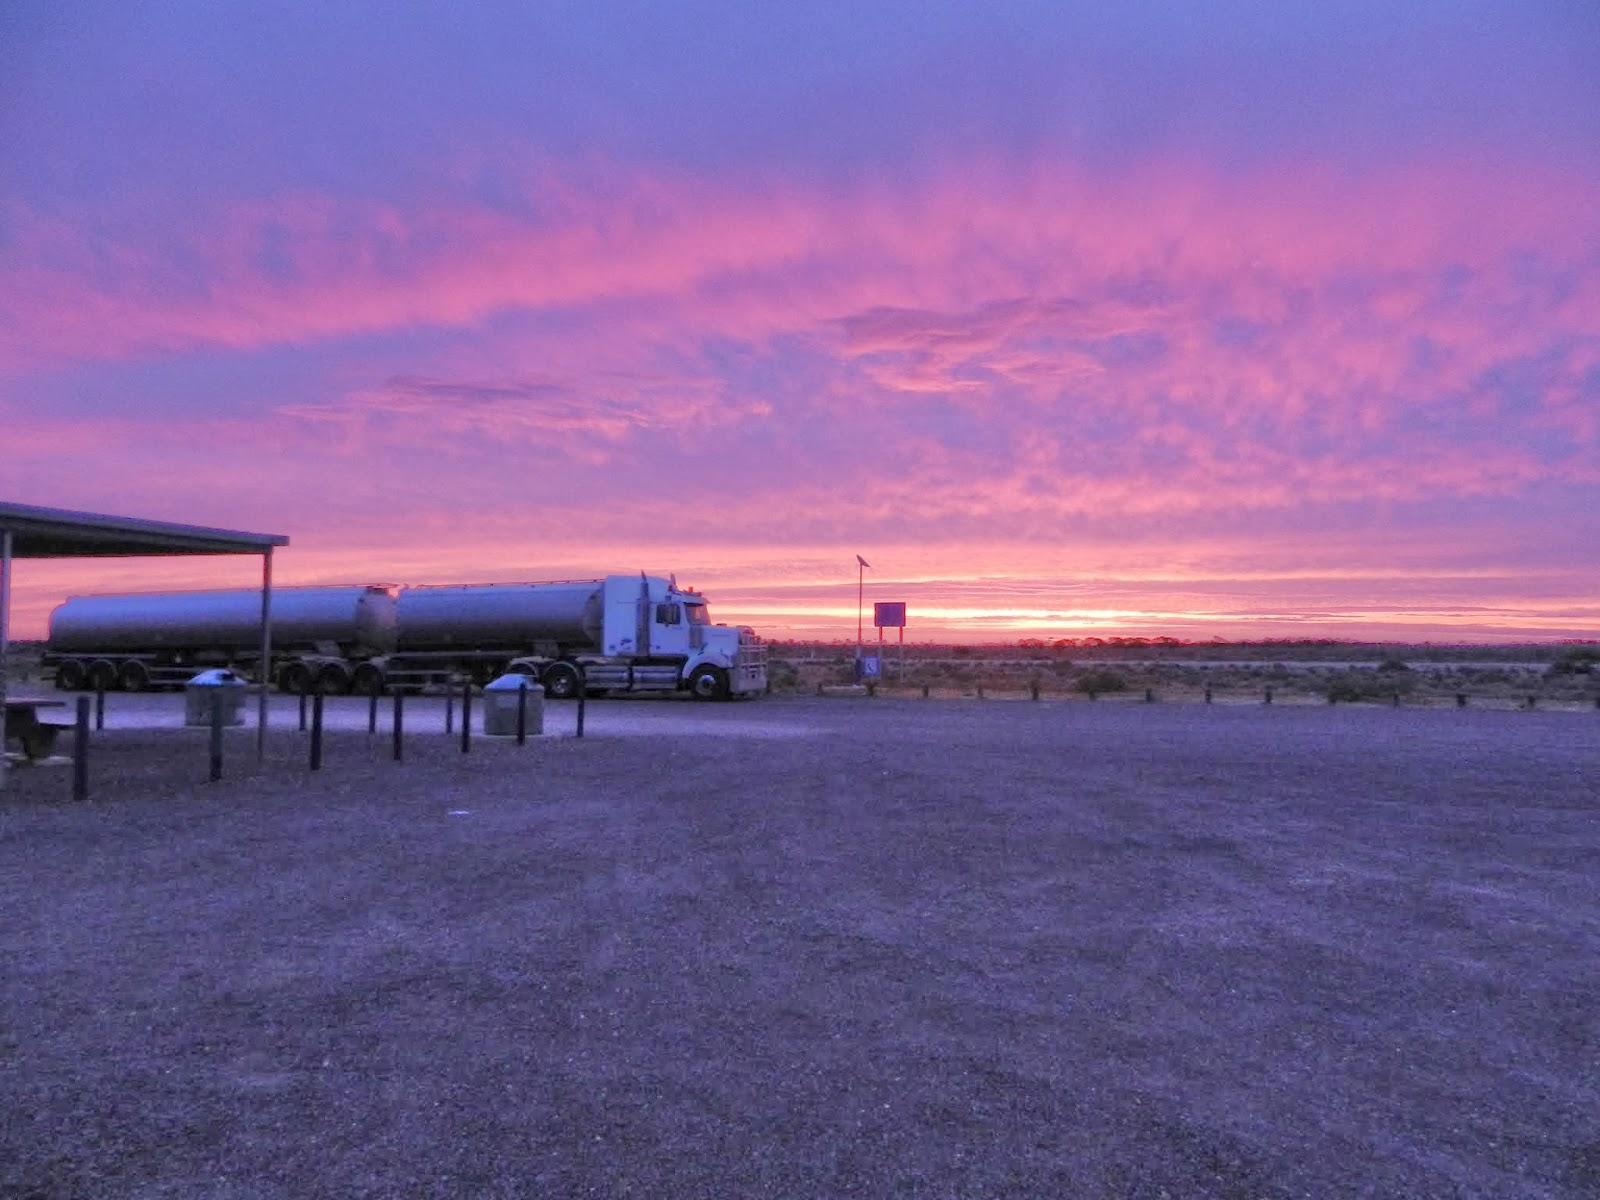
(656, 636)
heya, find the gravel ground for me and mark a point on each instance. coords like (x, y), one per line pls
(816, 948)
(426, 714)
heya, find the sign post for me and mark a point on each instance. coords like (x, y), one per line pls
(891, 614)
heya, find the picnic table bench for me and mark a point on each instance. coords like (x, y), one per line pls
(22, 722)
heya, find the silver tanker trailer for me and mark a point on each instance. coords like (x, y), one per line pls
(620, 633)
(320, 635)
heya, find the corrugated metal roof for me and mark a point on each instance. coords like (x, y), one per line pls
(61, 533)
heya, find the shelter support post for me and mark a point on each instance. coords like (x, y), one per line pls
(264, 675)
(5, 618)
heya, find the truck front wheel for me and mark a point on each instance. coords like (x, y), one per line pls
(709, 683)
(561, 681)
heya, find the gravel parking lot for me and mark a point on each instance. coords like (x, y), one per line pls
(814, 948)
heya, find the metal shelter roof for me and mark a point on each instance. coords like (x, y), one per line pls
(61, 533)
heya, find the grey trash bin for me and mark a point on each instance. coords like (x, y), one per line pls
(500, 705)
(214, 686)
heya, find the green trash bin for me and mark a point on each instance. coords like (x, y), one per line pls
(500, 706)
(217, 686)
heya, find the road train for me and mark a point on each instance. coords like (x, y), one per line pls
(623, 633)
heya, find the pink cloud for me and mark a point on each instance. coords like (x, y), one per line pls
(303, 267)
(999, 357)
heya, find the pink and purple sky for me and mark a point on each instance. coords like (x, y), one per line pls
(1207, 320)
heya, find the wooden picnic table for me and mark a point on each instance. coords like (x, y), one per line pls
(22, 722)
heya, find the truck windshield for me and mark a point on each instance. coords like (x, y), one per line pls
(698, 614)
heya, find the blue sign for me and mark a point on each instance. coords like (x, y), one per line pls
(869, 666)
(889, 614)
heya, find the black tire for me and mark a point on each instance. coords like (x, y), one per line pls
(134, 676)
(102, 675)
(561, 681)
(367, 680)
(70, 676)
(333, 680)
(709, 683)
(294, 679)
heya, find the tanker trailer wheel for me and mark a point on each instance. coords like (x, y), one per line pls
(294, 679)
(135, 676)
(561, 681)
(367, 680)
(709, 683)
(70, 676)
(102, 675)
(332, 680)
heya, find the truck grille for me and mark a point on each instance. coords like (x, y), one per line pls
(750, 667)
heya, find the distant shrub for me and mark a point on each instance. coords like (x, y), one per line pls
(1092, 683)
(1354, 686)
(1579, 660)
(1394, 665)
(784, 676)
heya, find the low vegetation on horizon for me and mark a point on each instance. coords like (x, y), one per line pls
(1130, 669)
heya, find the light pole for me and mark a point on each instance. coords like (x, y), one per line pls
(861, 595)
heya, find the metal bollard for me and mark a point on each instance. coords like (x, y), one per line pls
(1461, 699)
(1033, 690)
(99, 709)
(302, 712)
(980, 691)
(872, 690)
(216, 734)
(449, 710)
(372, 712)
(1208, 693)
(1397, 699)
(1268, 700)
(399, 723)
(1149, 695)
(522, 713)
(80, 752)
(1533, 703)
(925, 694)
(466, 717)
(316, 732)
(583, 702)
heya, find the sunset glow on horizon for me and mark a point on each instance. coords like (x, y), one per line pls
(1277, 322)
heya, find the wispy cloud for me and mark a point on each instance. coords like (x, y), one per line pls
(1013, 353)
